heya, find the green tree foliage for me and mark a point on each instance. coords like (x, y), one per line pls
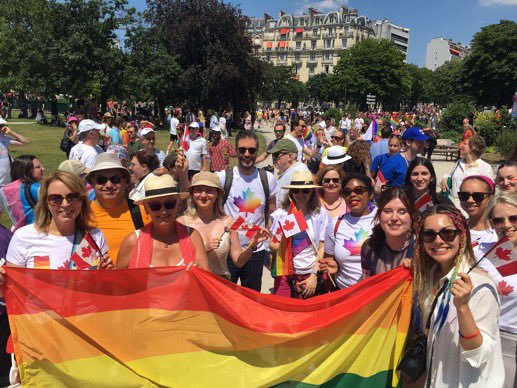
(449, 83)
(454, 113)
(372, 66)
(490, 68)
(420, 83)
(325, 88)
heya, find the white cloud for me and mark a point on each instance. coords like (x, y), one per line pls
(488, 3)
(320, 5)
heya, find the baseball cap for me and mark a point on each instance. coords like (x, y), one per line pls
(88, 125)
(74, 167)
(414, 133)
(217, 128)
(72, 118)
(284, 145)
(146, 131)
(194, 124)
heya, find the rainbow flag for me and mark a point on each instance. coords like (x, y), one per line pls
(394, 121)
(283, 262)
(170, 328)
(307, 134)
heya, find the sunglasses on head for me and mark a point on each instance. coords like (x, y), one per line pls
(304, 191)
(477, 196)
(360, 190)
(157, 206)
(252, 151)
(101, 179)
(333, 180)
(57, 199)
(499, 221)
(448, 235)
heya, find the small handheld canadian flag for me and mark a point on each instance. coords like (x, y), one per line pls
(184, 142)
(504, 257)
(87, 254)
(424, 202)
(293, 223)
(380, 180)
(241, 226)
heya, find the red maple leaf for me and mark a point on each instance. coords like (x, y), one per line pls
(503, 254)
(288, 225)
(504, 288)
(87, 251)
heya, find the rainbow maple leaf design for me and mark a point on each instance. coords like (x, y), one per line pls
(504, 288)
(248, 203)
(355, 243)
(503, 254)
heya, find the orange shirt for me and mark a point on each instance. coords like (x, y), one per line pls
(116, 224)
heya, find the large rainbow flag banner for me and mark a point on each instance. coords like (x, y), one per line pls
(165, 327)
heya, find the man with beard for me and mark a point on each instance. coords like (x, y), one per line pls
(249, 193)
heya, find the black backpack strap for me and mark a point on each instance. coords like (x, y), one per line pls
(228, 180)
(265, 186)
(136, 214)
(28, 196)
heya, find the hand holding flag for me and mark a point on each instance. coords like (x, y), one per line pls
(293, 223)
(89, 256)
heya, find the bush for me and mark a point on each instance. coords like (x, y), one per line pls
(455, 136)
(335, 113)
(453, 115)
(506, 142)
(488, 126)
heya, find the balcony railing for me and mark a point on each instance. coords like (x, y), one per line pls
(330, 35)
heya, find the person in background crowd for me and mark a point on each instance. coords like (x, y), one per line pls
(88, 148)
(469, 164)
(134, 143)
(114, 131)
(205, 214)
(112, 212)
(220, 151)
(8, 138)
(339, 139)
(279, 132)
(142, 165)
(507, 176)
(394, 146)
(335, 155)
(173, 126)
(285, 160)
(382, 146)
(71, 134)
(163, 241)
(463, 344)
(107, 120)
(246, 197)
(197, 152)
(431, 143)
(331, 193)
(148, 138)
(392, 239)
(307, 246)
(296, 136)
(350, 231)
(177, 166)
(77, 168)
(360, 162)
(502, 213)
(394, 170)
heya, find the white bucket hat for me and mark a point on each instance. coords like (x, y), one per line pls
(107, 161)
(335, 155)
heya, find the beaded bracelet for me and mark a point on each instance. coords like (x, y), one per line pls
(469, 337)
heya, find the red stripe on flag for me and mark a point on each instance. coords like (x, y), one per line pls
(236, 225)
(300, 219)
(508, 269)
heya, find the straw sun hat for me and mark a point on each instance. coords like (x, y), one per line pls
(302, 180)
(161, 186)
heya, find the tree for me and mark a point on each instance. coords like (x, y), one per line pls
(213, 50)
(324, 88)
(490, 68)
(450, 84)
(421, 85)
(372, 66)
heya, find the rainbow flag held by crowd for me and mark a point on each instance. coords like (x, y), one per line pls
(394, 121)
(170, 328)
(307, 133)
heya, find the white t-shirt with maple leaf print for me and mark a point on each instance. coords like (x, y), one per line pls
(247, 199)
(32, 249)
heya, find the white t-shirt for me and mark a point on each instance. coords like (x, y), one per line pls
(247, 199)
(5, 163)
(32, 249)
(138, 192)
(160, 154)
(482, 241)
(197, 149)
(174, 125)
(285, 179)
(86, 154)
(298, 142)
(358, 123)
(304, 252)
(346, 246)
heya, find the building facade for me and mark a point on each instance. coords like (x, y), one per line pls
(384, 29)
(440, 51)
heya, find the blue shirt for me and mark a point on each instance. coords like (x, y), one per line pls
(115, 136)
(378, 162)
(27, 209)
(379, 148)
(395, 170)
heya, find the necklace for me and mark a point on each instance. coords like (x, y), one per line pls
(334, 208)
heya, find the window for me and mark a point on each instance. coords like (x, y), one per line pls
(281, 58)
(312, 57)
(343, 42)
(268, 58)
(313, 45)
(327, 69)
(329, 43)
(297, 57)
(311, 69)
(298, 45)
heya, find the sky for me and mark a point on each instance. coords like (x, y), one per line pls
(458, 20)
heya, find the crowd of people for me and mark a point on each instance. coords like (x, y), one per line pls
(369, 205)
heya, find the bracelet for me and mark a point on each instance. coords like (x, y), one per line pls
(252, 245)
(469, 337)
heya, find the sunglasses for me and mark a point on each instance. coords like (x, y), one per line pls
(333, 180)
(157, 206)
(477, 196)
(304, 191)
(336, 138)
(448, 235)
(57, 199)
(499, 221)
(356, 190)
(252, 151)
(101, 179)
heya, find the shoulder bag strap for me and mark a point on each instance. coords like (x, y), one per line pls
(228, 180)
(28, 196)
(136, 214)
(265, 186)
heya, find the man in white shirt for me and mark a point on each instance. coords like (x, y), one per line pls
(173, 125)
(222, 125)
(358, 122)
(87, 150)
(148, 139)
(296, 137)
(285, 156)
(7, 138)
(197, 152)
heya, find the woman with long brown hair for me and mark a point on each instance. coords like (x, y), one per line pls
(331, 193)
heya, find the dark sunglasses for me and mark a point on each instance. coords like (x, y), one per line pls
(336, 138)
(448, 235)
(57, 199)
(478, 196)
(333, 180)
(101, 179)
(157, 206)
(304, 191)
(242, 150)
(356, 190)
(499, 221)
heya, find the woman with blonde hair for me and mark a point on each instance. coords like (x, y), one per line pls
(205, 214)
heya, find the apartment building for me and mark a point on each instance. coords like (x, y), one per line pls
(441, 50)
(384, 29)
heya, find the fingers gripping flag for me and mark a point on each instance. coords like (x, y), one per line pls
(86, 254)
(241, 226)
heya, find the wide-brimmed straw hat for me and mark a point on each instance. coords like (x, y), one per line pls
(205, 178)
(161, 186)
(335, 155)
(302, 180)
(107, 161)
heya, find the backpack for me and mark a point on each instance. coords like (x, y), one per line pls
(64, 144)
(265, 185)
